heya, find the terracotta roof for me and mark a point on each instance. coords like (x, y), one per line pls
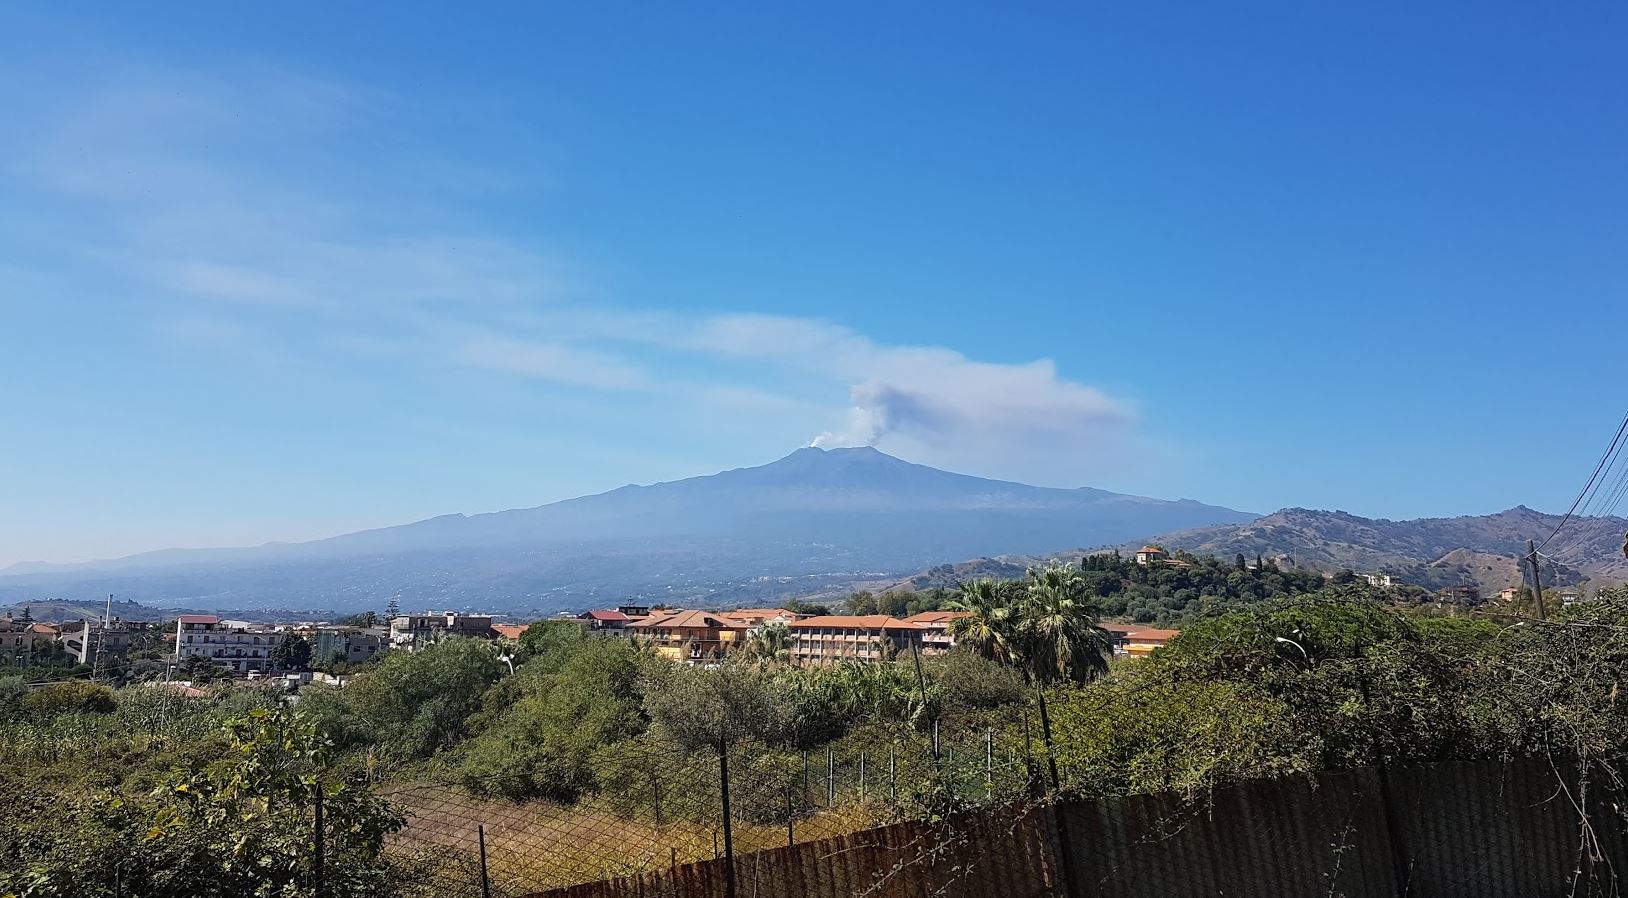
(937, 617)
(603, 615)
(858, 622)
(199, 619)
(508, 631)
(689, 619)
(1150, 549)
(1153, 634)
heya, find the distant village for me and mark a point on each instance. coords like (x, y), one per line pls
(210, 645)
(248, 649)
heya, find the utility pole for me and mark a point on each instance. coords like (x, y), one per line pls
(101, 635)
(1537, 584)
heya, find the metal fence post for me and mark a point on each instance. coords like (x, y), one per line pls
(655, 796)
(791, 821)
(989, 764)
(316, 859)
(892, 773)
(861, 776)
(485, 881)
(1064, 842)
(729, 833)
(830, 777)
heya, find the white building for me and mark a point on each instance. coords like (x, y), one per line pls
(238, 646)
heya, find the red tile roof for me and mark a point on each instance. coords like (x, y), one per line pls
(689, 620)
(937, 617)
(199, 619)
(508, 631)
(857, 622)
(604, 615)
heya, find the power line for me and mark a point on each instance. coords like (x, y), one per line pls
(1609, 455)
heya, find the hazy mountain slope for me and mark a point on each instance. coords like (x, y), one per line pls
(1431, 552)
(1427, 551)
(807, 520)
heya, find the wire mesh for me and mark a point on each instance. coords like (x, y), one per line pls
(657, 805)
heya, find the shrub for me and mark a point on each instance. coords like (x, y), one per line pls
(74, 695)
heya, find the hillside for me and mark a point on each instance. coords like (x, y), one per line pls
(1426, 551)
(811, 521)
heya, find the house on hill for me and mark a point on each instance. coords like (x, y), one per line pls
(1151, 554)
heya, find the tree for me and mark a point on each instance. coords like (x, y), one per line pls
(1058, 633)
(392, 609)
(292, 653)
(1046, 628)
(413, 703)
(771, 643)
(798, 606)
(239, 826)
(63, 698)
(363, 620)
(989, 627)
(550, 639)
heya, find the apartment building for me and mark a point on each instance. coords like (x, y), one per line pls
(412, 630)
(85, 640)
(352, 645)
(690, 636)
(837, 637)
(935, 626)
(21, 639)
(238, 646)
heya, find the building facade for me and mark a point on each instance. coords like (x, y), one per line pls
(692, 637)
(838, 637)
(238, 646)
(87, 640)
(410, 631)
(935, 627)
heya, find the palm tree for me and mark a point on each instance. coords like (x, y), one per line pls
(990, 623)
(1058, 631)
(771, 643)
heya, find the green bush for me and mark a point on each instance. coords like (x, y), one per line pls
(68, 697)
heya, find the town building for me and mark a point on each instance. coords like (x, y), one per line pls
(87, 640)
(1509, 593)
(1151, 555)
(352, 645)
(690, 636)
(508, 632)
(755, 618)
(1463, 594)
(1571, 595)
(604, 622)
(1379, 579)
(869, 637)
(935, 636)
(238, 646)
(21, 640)
(1137, 640)
(410, 631)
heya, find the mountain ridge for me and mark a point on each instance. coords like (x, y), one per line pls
(1429, 552)
(815, 513)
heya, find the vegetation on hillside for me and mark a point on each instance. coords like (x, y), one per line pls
(1335, 678)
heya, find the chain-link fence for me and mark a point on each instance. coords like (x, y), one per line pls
(658, 805)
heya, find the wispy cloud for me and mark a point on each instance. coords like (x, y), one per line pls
(230, 240)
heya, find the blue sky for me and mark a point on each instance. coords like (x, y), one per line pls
(283, 271)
